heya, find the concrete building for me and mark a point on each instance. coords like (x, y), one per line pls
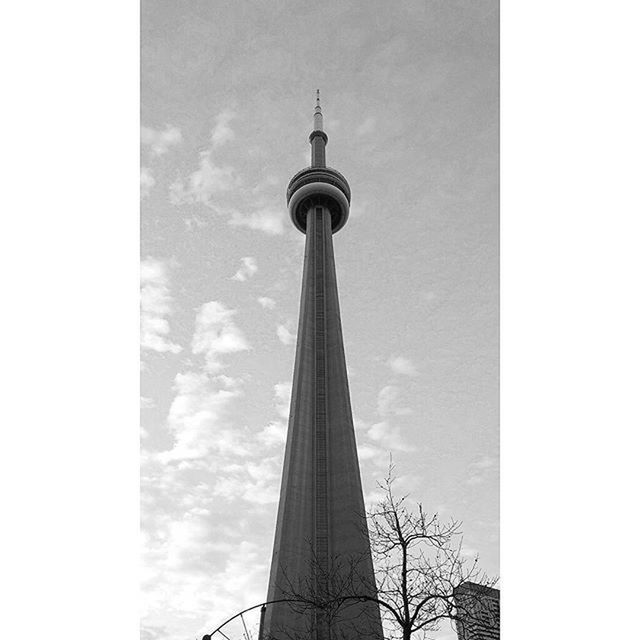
(321, 537)
(478, 607)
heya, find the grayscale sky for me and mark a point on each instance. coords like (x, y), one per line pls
(410, 98)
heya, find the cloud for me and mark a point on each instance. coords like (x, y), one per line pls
(367, 126)
(147, 403)
(373, 498)
(388, 402)
(155, 305)
(222, 132)
(189, 575)
(481, 469)
(384, 434)
(359, 425)
(274, 433)
(216, 333)
(147, 181)
(247, 270)
(201, 553)
(204, 183)
(160, 141)
(267, 303)
(256, 482)
(266, 184)
(485, 462)
(282, 394)
(194, 222)
(386, 398)
(210, 179)
(383, 438)
(200, 419)
(402, 366)
(269, 220)
(285, 335)
(178, 194)
(387, 436)
(152, 632)
(367, 452)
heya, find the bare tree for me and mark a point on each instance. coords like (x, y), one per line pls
(419, 566)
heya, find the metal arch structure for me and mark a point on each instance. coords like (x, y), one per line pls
(219, 633)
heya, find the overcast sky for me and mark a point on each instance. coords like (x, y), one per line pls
(410, 98)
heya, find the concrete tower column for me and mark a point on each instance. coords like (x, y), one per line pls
(321, 528)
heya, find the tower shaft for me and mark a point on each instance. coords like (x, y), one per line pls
(321, 552)
(321, 536)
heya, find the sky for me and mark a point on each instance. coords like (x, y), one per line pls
(410, 101)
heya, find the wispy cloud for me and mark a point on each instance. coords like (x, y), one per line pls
(204, 183)
(189, 572)
(388, 436)
(485, 462)
(388, 402)
(481, 469)
(248, 268)
(155, 306)
(147, 181)
(282, 395)
(274, 433)
(160, 141)
(147, 403)
(269, 220)
(200, 419)
(200, 553)
(368, 452)
(210, 178)
(402, 366)
(222, 132)
(266, 303)
(216, 333)
(285, 334)
(255, 481)
(213, 181)
(153, 632)
(383, 435)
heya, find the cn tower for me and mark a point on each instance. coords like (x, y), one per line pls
(321, 538)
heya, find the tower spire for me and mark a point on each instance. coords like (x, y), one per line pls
(317, 114)
(318, 137)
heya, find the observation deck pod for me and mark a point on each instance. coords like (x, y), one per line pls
(319, 186)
